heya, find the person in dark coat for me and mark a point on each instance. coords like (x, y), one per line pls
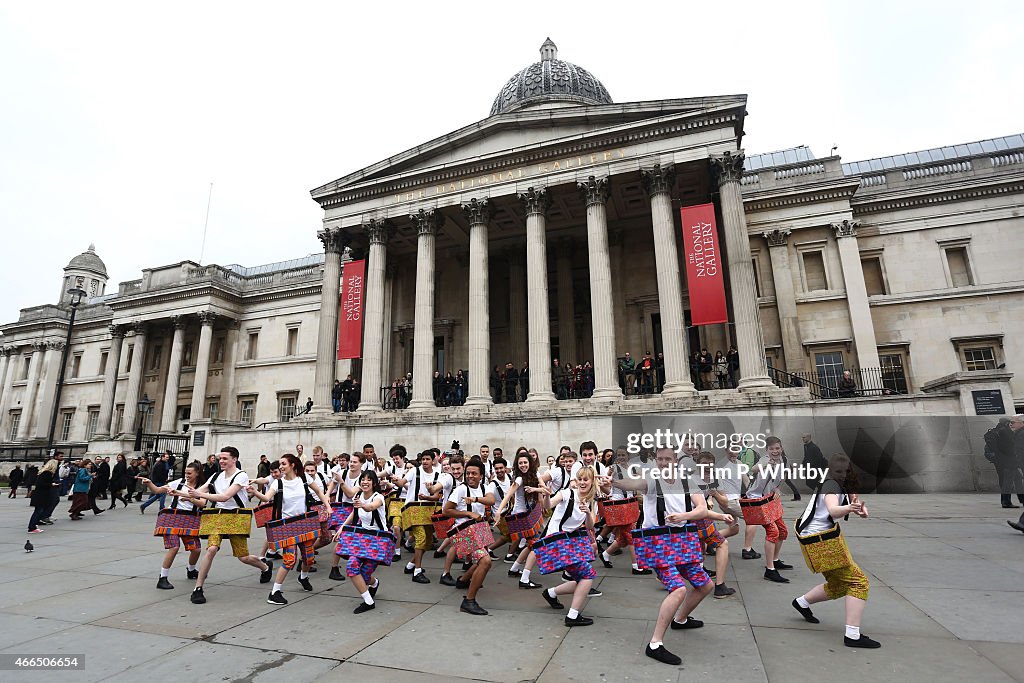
(15, 478)
(119, 482)
(94, 489)
(31, 473)
(40, 498)
(102, 478)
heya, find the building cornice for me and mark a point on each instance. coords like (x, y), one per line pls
(947, 294)
(867, 204)
(841, 189)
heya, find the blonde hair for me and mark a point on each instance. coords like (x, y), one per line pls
(592, 474)
(50, 466)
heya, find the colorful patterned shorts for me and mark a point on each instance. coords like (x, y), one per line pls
(776, 531)
(174, 541)
(239, 544)
(674, 578)
(580, 571)
(290, 554)
(357, 566)
(846, 581)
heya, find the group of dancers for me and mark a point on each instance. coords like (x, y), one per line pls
(665, 512)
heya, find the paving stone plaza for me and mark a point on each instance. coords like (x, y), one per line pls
(947, 595)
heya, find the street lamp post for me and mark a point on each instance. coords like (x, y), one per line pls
(144, 405)
(77, 294)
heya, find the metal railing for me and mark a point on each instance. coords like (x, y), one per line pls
(826, 385)
(396, 397)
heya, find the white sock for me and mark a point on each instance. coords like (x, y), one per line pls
(636, 566)
(515, 567)
(605, 556)
(376, 582)
(164, 572)
(655, 644)
(681, 622)
(191, 567)
(525, 577)
(572, 613)
(853, 632)
(551, 593)
(277, 587)
(803, 602)
(410, 565)
(367, 598)
(522, 543)
(303, 575)
(419, 570)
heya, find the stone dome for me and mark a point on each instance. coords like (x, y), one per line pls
(550, 80)
(88, 261)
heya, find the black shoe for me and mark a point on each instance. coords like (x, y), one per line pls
(663, 655)
(142, 509)
(709, 572)
(491, 554)
(723, 591)
(1015, 525)
(555, 604)
(750, 554)
(306, 585)
(642, 572)
(192, 574)
(774, 575)
(197, 596)
(461, 584)
(688, 624)
(606, 563)
(420, 578)
(510, 558)
(164, 584)
(863, 641)
(397, 557)
(466, 566)
(1005, 505)
(363, 607)
(566, 577)
(276, 598)
(796, 497)
(471, 607)
(579, 621)
(373, 589)
(265, 574)
(779, 564)
(273, 556)
(336, 575)
(447, 580)
(515, 572)
(594, 593)
(312, 570)
(529, 585)
(438, 554)
(805, 612)
(409, 570)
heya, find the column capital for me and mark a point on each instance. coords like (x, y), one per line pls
(139, 327)
(777, 238)
(206, 318)
(846, 228)
(536, 200)
(39, 345)
(179, 322)
(54, 345)
(727, 167)
(658, 180)
(478, 211)
(594, 190)
(117, 330)
(6, 350)
(378, 230)
(427, 221)
(334, 240)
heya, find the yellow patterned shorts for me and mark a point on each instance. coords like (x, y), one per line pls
(846, 581)
(239, 544)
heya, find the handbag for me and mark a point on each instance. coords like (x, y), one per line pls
(177, 522)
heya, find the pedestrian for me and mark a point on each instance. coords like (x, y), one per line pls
(1003, 440)
(40, 498)
(94, 490)
(813, 459)
(102, 477)
(119, 482)
(263, 469)
(159, 478)
(31, 473)
(14, 480)
(80, 491)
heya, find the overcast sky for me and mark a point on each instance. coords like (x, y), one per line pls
(116, 117)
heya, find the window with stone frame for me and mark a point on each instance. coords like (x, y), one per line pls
(252, 347)
(104, 356)
(76, 365)
(212, 409)
(286, 403)
(979, 358)
(293, 341)
(980, 352)
(874, 276)
(247, 409)
(119, 419)
(757, 277)
(15, 423)
(93, 422)
(956, 261)
(67, 418)
(154, 358)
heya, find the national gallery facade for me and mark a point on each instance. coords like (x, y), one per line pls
(551, 229)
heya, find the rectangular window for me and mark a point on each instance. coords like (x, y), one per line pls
(874, 280)
(286, 408)
(94, 420)
(757, 278)
(119, 419)
(959, 267)
(814, 270)
(76, 365)
(829, 368)
(15, 423)
(211, 409)
(128, 359)
(103, 362)
(252, 348)
(66, 418)
(293, 340)
(186, 355)
(154, 358)
(25, 367)
(980, 358)
(894, 376)
(247, 410)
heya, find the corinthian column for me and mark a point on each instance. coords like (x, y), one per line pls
(595, 194)
(785, 299)
(728, 168)
(478, 213)
(536, 201)
(29, 400)
(857, 297)
(373, 318)
(206, 320)
(131, 400)
(566, 310)
(110, 382)
(167, 418)
(427, 222)
(13, 360)
(334, 241)
(658, 183)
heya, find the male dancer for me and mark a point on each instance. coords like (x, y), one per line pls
(764, 483)
(468, 501)
(423, 485)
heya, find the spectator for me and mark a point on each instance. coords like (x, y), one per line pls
(31, 473)
(627, 367)
(733, 358)
(460, 387)
(347, 404)
(706, 368)
(144, 469)
(646, 374)
(14, 480)
(511, 378)
(119, 482)
(524, 381)
(659, 370)
(496, 384)
(813, 457)
(357, 393)
(437, 386)
(588, 379)
(1002, 440)
(159, 478)
(64, 474)
(722, 370)
(695, 368)
(133, 471)
(337, 395)
(263, 469)
(309, 403)
(847, 386)
(559, 380)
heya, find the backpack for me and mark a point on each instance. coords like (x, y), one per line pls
(991, 437)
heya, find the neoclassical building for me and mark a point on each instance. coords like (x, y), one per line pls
(551, 229)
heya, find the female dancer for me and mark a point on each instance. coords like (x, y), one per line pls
(119, 482)
(573, 508)
(291, 493)
(343, 488)
(525, 479)
(368, 511)
(172, 542)
(834, 499)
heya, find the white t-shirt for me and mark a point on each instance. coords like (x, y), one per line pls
(351, 483)
(448, 484)
(676, 495)
(426, 478)
(599, 468)
(366, 517)
(499, 487)
(223, 482)
(324, 469)
(338, 470)
(183, 503)
(818, 510)
(574, 521)
(762, 485)
(558, 478)
(519, 505)
(488, 468)
(464, 491)
(293, 501)
(619, 472)
(732, 484)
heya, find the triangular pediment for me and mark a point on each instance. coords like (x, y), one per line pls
(519, 131)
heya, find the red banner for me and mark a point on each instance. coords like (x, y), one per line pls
(703, 265)
(350, 315)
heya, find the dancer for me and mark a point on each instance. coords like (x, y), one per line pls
(522, 503)
(468, 501)
(396, 498)
(713, 540)
(761, 493)
(672, 502)
(293, 497)
(421, 498)
(574, 510)
(227, 491)
(826, 552)
(185, 504)
(367, 513)
(344, 487)
(623, 537)
(497, 487)
(323, 510)
(454, 477)
(80, 491)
